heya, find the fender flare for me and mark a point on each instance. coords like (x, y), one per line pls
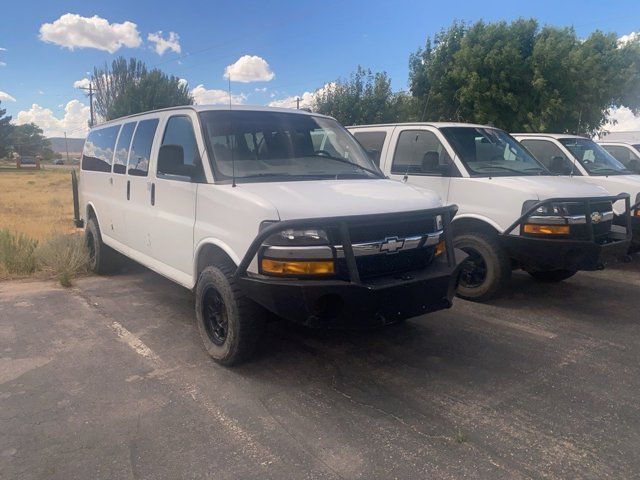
(481, 218)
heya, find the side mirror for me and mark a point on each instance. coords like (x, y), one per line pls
(171, 161)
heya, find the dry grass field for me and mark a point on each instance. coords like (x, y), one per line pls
(37, 203)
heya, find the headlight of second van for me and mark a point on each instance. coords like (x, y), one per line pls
(550, 218)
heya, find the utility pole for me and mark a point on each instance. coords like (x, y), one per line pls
(298, 103)
(66, 145)
(90, 94)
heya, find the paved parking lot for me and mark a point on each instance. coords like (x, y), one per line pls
(109, 380)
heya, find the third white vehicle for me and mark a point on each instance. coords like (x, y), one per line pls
(513, 213)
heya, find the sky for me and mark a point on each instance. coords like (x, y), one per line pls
(274, 50)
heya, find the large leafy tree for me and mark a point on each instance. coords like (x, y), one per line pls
(521, 77)
(5, 131)
(364, 97)
(28, 140)
(128, 87)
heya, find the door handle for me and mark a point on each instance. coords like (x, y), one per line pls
(128, 189)
(153, 194)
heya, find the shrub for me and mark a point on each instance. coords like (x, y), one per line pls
(16, 253)
(63, 256)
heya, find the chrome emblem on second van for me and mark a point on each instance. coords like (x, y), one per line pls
(596, 217)
(391, 244)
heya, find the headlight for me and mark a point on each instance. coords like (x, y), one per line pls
(546, 209)
(439, 224)
(298, 237)
(549, 219)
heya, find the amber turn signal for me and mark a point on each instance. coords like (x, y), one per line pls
(637, 212)
(296, 267)
(440, 248)
(546, 229)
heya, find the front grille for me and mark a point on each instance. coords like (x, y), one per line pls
(388, 264)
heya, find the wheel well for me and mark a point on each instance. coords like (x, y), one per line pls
(465, 225)
(212, 255)
(91, 213)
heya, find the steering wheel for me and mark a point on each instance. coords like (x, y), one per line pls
(324, 153)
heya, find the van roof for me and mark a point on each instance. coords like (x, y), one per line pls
(557, 136)
(206, 108)
(429, 124)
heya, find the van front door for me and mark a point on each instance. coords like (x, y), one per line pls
(174, 205)
(423, 159)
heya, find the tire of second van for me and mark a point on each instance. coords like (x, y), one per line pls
(487, 269)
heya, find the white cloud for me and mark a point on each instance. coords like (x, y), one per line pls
(3, 49)
(263, 89)
(5, 97)
(183, 81)
(203, 96)
(249, 68)
(307, 99)
(83, 83)
(163, 44)
(3, 64)
(40, 92)
(74, 121)
(622, 119)
(73, 31)
(630, 38)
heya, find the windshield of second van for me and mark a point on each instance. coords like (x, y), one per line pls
(491, 152)
(595, 159)
(259, 146)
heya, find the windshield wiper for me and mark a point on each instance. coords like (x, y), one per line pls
(493, 167)
(348, 162)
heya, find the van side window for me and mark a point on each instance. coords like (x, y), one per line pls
(122, 148)
(622, 154)
(551, 156)
(419, 152)
(179, 131)
(141, 148)
(98, 149)
(372, 143)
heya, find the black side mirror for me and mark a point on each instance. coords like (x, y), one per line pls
(171, 161)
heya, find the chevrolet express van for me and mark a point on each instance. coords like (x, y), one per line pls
(264, 209)
(627, 154)
(513, 213)
(581, 157)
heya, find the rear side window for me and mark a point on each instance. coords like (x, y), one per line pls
(551, 156)
(98, 149)
(419, 152)
(122, 149)
(141, 148)
(372, 143)
(622, 154)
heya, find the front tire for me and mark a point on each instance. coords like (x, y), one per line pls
(487, 269)
(553, 276)
(229, 323)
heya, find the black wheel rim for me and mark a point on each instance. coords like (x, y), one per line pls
(474, 270)
(214, 314)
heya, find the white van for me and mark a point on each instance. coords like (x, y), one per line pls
(583, 158)
(626, 153)
(512, 212)
(248, 208)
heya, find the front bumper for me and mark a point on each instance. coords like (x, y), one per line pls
(589, 253)
(352, 299)
(539, 254)
(381, 300)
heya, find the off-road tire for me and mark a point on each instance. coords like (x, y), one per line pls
(245, 319)
(553, 276)
(498, 265)
(102, 258)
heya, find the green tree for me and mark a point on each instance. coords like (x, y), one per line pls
(128, 87)
(5, 131)
(363, 98)
(28, 140)
(521, 77)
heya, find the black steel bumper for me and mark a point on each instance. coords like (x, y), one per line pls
(340, 302)
(635, 226)
(545, 254)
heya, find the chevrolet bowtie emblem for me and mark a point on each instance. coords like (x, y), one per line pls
(596, 217)
(391, 244)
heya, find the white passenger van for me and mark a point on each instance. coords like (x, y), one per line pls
(583, 158)
(512, 212)
(263, 209)
(627, 154)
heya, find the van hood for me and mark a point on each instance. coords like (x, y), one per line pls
(616, 184)
(543, 187)
(332, 198)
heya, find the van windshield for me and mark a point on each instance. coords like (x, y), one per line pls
(276, 146)
(595, 159)
(491, 152)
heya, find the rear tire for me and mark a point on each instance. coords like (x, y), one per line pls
(102, 258)
(553, 276)
(230, 324)
(487, 269)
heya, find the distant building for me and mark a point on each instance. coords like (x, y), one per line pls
(630, 137)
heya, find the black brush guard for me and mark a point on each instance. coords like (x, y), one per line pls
(337, 302)
(590, 253)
